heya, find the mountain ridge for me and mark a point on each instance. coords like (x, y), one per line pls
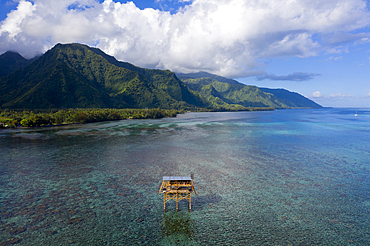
(79, 76)
(64, 70)
(232, 91)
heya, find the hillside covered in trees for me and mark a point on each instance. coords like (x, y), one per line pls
(79, 76)
(220, 91)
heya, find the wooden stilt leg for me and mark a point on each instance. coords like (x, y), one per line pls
(189, 203)
(164, 203)
(177, 202)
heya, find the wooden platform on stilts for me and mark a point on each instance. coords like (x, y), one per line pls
(177, 188)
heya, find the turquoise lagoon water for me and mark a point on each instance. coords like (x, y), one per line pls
(286, 177)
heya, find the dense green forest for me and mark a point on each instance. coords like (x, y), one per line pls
(219, 91)
(25, 118)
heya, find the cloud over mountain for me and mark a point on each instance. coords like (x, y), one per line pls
(291, 77)
(227, 37)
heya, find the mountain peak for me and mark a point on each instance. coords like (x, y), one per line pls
(12, 54)
(76, 75)
(11, 61)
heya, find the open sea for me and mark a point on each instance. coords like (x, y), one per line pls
(285, 177)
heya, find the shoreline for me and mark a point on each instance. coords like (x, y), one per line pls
(49, 118)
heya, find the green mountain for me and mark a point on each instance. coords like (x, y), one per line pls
(77, 76)
(292, 99)
(221, 92)
(11, 62)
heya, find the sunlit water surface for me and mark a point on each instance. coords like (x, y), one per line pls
(286, 177)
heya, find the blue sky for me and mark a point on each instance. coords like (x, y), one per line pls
(320, 49)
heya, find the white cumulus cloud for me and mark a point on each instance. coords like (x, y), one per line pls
(335, 58)
(227, 37)
(316, 94)
(340, 95)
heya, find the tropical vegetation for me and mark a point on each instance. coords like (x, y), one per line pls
(219, 91)
(78, 76)
(26, 118)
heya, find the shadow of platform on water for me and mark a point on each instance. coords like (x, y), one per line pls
(200, 202)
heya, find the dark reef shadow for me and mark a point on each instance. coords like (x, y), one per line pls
(177, 223)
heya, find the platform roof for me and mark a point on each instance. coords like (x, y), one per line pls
(176, 178)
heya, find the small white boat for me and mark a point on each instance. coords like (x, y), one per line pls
(356, 113)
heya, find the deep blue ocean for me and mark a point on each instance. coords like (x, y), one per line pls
(284, 177)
